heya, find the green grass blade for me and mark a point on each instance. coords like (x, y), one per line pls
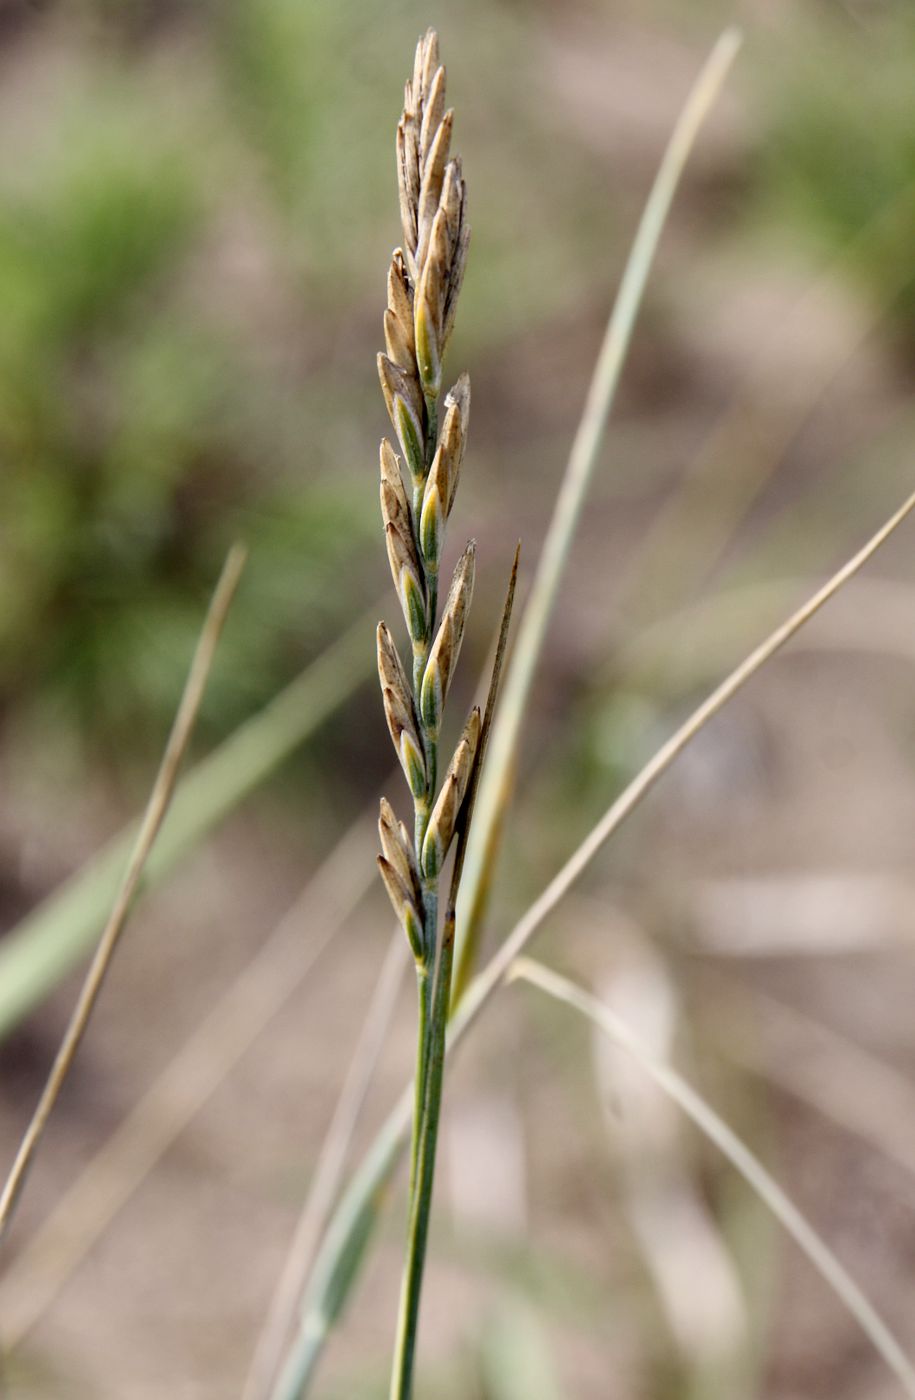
(495, 788)
(338, 1263)
(45, 946)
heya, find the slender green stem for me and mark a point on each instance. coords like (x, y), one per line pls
(156, 809)
(424, 1155)
(423, 1000)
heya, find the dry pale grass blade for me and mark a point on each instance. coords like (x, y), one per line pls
(156, 808)
(690, 533)
(496, 786)
(681, 1242)
(180, 1091)
(328, 1174)
(45, 946)
(737, 1153)
(486, 983)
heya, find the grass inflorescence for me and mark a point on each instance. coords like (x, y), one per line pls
(417, 495)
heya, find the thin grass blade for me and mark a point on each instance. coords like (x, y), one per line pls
(153, 817)
(498, 780)
(45, 946)
(111, 1177)
(634, 793)
(328, 1173)
(738, 1154)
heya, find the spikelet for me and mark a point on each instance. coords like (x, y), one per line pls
(395, 508)
(429, 319)
(406, 569)
(397, 848)
(444, 816)
(447, 645)
(453, 204)
(433, 112)
(408, 176)
(405, 405)
(423, 111)
(403, 905)
(398, 318)
(432, 524)
(399, 713)
(432, 172)
(446, 465)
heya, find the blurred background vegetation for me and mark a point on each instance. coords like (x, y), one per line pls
(196, 211)
(195, 204)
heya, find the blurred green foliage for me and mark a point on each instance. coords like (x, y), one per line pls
(838, 150)
(193, 232)
(138, 437)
